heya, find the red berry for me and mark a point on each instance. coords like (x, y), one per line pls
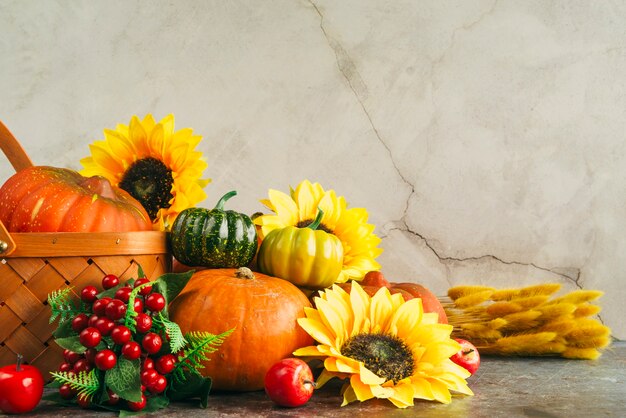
(93, 319)
(99, 306)
(155, 302)
(90, 355)
(105, 359)
(148, 363)
(66, 391)
(144, 323)
(148, 377)
(131, 350)
(165, 364)
(89, 294)
(144, 290)
(138, 406)
(71, 357)
(79, 322)
(83, 401)
(123, 294)
(109, 281)
(90, 337)
(116, 309)
(82, 365)
(158, 385)
(138, 305)
(120, 334)
(152, 343)
(105, 325)
(65, 367)
(114, 398)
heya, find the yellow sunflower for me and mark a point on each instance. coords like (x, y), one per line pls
(385, 347)
(348, 224)
(157, 166)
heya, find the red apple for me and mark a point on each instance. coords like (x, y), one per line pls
(467, 357)
(289, 382)
(21, 388)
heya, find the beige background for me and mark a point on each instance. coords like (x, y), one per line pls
(486, 138)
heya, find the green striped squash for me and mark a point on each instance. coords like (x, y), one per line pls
(215, 238)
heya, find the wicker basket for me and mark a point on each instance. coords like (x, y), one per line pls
(34, 264)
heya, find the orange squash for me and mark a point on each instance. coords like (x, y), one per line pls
(374, 280)
(51, 199)
(263, 311)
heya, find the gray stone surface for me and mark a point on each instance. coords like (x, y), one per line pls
(503, 387)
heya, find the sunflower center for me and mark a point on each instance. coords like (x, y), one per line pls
(385, 355)
(150, 182)
(321, 227)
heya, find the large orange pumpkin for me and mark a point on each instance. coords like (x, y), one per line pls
(263, 311)
(51, 199)
(374, 280)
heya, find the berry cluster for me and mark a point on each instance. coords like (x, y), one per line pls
(105, 337)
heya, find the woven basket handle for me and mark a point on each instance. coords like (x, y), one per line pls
(19, 160)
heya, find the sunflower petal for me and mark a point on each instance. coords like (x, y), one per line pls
(317, 330)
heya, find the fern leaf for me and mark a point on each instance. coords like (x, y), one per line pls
(172, 330)
(62, 306)
(199, 345)
(130, 320)
(86, 384)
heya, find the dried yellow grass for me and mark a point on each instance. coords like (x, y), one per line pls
(521, 321)
(480, 332)
(502, 308)
(592, 342)
(457, 292)
(525, 321)
(560, 325)
(473, 299)
(586, 309)
(581, 353)
(505, 294)
(544, 289)
(550, 312)
(578, 297)
(529, 302)
(523, 343)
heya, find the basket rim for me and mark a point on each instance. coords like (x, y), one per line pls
(71, 244)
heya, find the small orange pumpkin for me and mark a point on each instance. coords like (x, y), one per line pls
(263, 311)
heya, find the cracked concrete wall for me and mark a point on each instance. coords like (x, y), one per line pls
(485, 138)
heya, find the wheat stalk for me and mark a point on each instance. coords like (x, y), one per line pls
(528, 321)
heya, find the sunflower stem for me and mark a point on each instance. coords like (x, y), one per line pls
(220, 203)
(318, 219)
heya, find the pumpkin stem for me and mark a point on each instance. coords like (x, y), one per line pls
(244, 273)
(220, 203)
(318, 219)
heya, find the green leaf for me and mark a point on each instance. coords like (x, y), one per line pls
(64, 330)
(110, 293)
(170, 285)
(72, 344)
(194, 386)
(124, 379)
(57, 398)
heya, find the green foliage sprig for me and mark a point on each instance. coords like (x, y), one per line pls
(62, 306)
(199, 345)
(172, 330)
(86, 384)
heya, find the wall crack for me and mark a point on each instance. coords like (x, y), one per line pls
(350, 73)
